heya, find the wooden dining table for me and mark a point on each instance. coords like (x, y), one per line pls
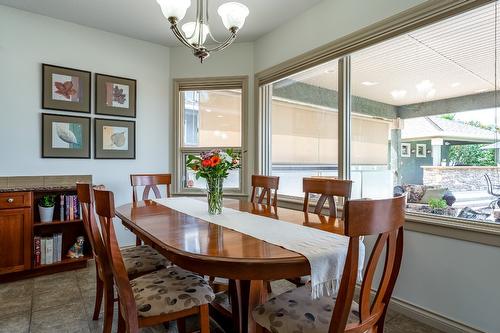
(213, 250)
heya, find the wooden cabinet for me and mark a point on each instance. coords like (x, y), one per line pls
(15, 232)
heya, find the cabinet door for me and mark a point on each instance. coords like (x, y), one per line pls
(15, 240)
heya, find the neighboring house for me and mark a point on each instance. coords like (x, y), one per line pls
(430, 138)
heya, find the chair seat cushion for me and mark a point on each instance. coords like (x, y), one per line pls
(295, 311)
(170, 290)
(143, 259)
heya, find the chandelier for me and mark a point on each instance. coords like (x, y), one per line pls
(233, 15)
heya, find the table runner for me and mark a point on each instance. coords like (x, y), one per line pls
(325, 251)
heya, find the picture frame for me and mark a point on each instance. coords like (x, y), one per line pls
(114, 139)
(421, 150)
(115, 96)
(406, 150)
(65, 89)
(65, 136)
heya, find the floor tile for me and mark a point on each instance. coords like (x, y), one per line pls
(67, 294)
(16, 323)
(54, 282)
(69, 318)
(403, 324)
(16, 289)
(11, 306)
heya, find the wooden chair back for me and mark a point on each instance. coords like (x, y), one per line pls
(105, 208)
(150, 183)
(266, 185)
(328, 189)
(86, 199)
(384, 219)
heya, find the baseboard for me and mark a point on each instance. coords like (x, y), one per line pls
(430, 318)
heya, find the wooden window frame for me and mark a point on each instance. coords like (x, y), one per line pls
(210, 83)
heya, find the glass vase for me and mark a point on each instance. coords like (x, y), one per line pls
(214, 195)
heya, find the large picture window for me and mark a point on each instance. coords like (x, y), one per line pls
(210, 116)
(423, 120)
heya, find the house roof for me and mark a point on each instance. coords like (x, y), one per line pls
(437, 127)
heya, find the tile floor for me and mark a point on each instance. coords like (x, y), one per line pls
(64, 303)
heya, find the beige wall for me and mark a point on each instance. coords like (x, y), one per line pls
(308, 135)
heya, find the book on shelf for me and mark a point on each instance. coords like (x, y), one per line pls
(70, 208)
(38, 251)
(48, 250)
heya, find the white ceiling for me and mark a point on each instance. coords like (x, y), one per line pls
(142, 19)
(451, 58)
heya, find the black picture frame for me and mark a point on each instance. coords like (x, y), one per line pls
(115, 154)
(84, 88)
(60, 152)
(102, 97)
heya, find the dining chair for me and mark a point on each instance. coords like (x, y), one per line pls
(104, 276)
(150, 183)
(138, 260)
(294, 311)
(155, 298)
(266, 184)
(328, 189)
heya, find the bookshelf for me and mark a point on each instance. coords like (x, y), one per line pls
(20, 217)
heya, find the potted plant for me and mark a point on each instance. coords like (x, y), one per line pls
(214, 166)
(438, 206)
(46, 207)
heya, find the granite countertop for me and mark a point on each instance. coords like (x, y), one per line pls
(36, 188)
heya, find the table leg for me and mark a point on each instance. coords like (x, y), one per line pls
(248, 295)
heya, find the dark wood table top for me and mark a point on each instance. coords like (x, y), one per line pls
(210, 249)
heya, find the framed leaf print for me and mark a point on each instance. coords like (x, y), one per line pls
(114, 139)
(66, 89)
(115, 96)
(65, 136)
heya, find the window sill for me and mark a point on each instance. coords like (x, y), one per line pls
(466, 230)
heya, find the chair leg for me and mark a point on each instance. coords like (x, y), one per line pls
(204, 319)
(181, 325)
(98, 296)
(269, 288)
(108, 309)
(138, 241)
(121, 323)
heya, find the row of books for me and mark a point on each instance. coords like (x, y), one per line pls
(48, 250)
(70, 207)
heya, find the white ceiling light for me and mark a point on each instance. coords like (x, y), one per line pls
(233, 15)
(481, 90)
(208, 110)
(398, 93)
(369, 83)
(455, 84)
(424, 86)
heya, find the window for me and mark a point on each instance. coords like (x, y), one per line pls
(211, 115)
(304, 128)
(422, 119)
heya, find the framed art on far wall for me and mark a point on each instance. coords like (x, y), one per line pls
(65, 89)
(114, 139)
(115, 96)
(65, 136)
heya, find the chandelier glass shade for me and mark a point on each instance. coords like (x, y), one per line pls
(194, 34)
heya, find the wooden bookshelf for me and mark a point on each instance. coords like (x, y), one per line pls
(53, 223)
(19, 217)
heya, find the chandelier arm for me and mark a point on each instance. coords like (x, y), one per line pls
(180, 37)
(224, 44)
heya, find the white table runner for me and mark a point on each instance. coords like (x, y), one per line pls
(325, 251)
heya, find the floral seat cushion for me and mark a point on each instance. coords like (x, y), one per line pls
(170, 290)
(143, 259)
(295, 312)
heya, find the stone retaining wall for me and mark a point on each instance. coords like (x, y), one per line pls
(461, 178)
